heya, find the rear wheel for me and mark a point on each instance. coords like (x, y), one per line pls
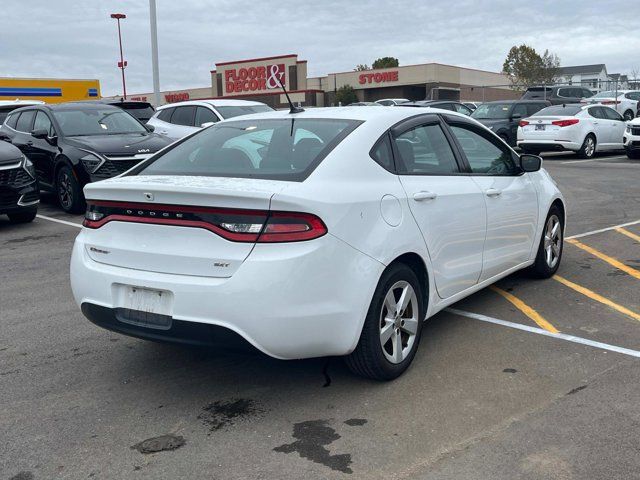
(629, 115)
(392, 328)
(551, 246)
(588, 149)
(22, 217)
(634, 155)
(69, 191)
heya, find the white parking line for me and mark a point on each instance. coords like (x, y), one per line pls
(64, 222)
(593, 232)
(540, 331)
(581, 161)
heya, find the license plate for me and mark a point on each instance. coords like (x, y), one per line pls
(540, 127)
(146, 300)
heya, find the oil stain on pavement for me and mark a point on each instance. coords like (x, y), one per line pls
(222, 413)
(312, 437)
(159, 444)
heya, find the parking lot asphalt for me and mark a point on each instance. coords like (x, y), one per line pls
(482, 400)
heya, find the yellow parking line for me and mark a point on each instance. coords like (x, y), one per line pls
(628, 234)
(597, 297)
(610, 260)
(526, 309)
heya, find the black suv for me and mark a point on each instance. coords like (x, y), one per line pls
(503, 116)
(143, 111)
(558, 95)
(72, 144)
(19, 193)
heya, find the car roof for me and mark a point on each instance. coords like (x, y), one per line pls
(114, 101)
(214, 102)
(79, 106)
(545, 102)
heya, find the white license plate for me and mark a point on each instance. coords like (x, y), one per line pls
(540, 127)
(147, 300)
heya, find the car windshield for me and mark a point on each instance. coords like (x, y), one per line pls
(96, 121)
(559, 110)
(492, 111)
(235, 111)
(286, 149)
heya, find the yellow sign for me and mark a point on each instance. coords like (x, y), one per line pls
(49, 90)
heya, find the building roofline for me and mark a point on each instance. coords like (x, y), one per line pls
(417, 65)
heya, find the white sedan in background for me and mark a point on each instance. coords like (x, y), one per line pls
(177, 120)
(625, 103)
(584, 129)
(392, 102)
(332, 231)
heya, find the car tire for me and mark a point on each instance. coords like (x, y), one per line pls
(22, 217)
(504, 138)
(588, 149)
(633, 155)
(629, 115)
(68, 191)
(551, 245)
(389, 339)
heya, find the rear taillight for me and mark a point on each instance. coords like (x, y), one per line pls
(565, 123)
(611, 102)
(237, 225)
(523, 123)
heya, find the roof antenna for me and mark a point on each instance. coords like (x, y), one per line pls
(292, 107)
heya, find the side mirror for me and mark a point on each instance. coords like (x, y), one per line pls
(530, 163)
(207, 124)
(150, 128)
(40, 133)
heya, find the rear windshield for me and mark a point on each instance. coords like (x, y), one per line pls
(231, 111)
(282, 149)
(559, 110)
(605, 94)
(538, 92)
(142, 111)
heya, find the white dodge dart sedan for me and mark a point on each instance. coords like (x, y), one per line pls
(333, 231)
(584, 129)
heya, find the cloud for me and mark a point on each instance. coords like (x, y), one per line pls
(78, 39)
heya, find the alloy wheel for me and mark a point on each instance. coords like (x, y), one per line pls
(399, 322)
(628, 115)
(552, 241)
(65, 190)
(589, 146)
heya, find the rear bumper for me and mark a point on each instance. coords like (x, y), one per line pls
(549, 145)
(297, 300)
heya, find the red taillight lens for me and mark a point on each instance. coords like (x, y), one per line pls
(611, 102)
(237, 225)
(565, 123)
(523, 123)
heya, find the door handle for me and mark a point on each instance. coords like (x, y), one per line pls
(493, 192)
(422, 196)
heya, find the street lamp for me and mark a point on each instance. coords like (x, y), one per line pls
(121, 63)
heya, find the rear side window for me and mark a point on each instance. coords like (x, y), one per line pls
(25, 121)
(12, 120)
(381, 153)
(183, 116)
(633, 96)
(283, 149)
(4, 114)
(425, 150)
(165, 114)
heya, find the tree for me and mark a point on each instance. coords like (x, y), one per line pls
(525, 67)
(361, 67)
(346, 95)
(385, 62)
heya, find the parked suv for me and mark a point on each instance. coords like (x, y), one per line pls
(502, 117)
(19, 194)
(558, 95)
(177, 120)
(72, 144)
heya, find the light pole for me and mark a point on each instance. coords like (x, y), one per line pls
(121, 63)
(154, 51)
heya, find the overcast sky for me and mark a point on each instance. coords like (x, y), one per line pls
(77, 39)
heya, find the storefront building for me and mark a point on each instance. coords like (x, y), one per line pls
(49, 90)
(260, 79)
